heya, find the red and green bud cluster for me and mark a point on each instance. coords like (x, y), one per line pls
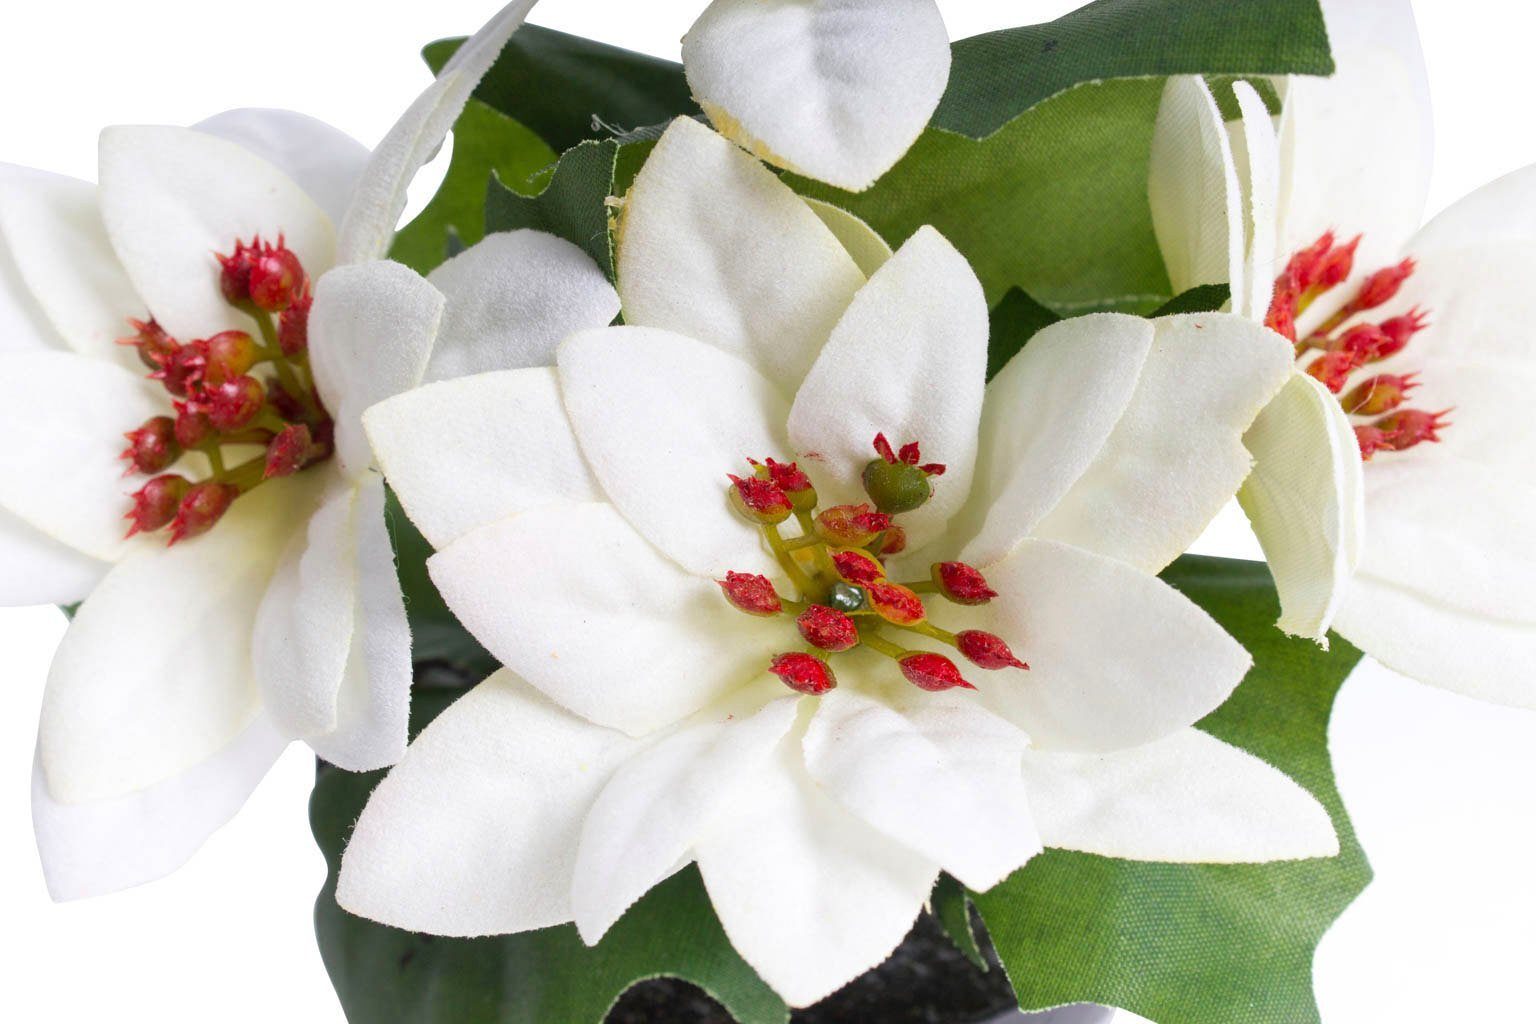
(220, 402)
(897, 481)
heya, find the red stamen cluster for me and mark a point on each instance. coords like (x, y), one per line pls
(1319, 268)
(838, 565)
(220, 404)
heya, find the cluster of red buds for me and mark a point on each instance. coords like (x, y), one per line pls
(221, 404)
(837, 565)
(1343, 351)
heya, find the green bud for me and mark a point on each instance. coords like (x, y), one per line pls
(896, 487)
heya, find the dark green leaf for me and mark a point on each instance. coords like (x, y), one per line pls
(574, 205)
(1014, 320)
(951, 906)
(386, 976)
(1200, 944)
(999, 75)
(484, 142)
(569, 89)
(1202, 298)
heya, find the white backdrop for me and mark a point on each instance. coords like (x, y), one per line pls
(1440, 787)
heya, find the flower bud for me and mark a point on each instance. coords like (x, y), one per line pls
(152, 447)
(293, 326)
(276, 279)
(961, 583)
(750, 593)
(155, 504)
(1379, 394)
(233, 404)
(851, 526)
(803, 673)
(202, 506)
(894, 540)
(228, 355)
(856, 566)
(192, 427)
(1399, 330)
(987, 650)
(932, 672)
(1305, 266)
(760, 500)
(1371, 440)
(1381, 287)
(1409, 427)
(896, 604)
(153, 344)
(1362, 342)
(827, 628)
(895, 481)
(183, 369)
(1334, 268)
(790, 479)
(235, 272)
(290, 451)
(1332, 369)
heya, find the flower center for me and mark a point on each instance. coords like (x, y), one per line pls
(222, 409)
(1376, 403)
(844, 598)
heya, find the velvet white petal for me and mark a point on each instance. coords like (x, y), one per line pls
(1476, 313)
(909, 359)
(835, 89)
(153, 675)
(1305, 499)
(61, 471)
(864, 244)
(808, 894)
(1176, 456)
(324, 161)
(475, 831)
(572, 599)
(52, 230)
(96, 848)
(173, 197)
(1186, 798)
(370, 337)
(512, 298)
(1048, 414)
(643, 825)
(938, 774)
(663, 420)
(380, 195)
(36, 569)
(713, 246)
(466, 452)
(1117, 657)
(1197, 205)
(1256, 152)
(1502, 211)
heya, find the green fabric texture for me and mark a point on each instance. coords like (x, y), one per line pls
(999, 75)
(1202, 298)
(1200, 944)
(573, 205)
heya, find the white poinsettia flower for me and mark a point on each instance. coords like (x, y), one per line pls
(1318, 223)
(274, 613)
(688, 683)
(836, 90)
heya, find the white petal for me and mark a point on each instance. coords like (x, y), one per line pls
(466, 452)
(1047, 415)
(1259, 169)
(1305, 499)
(1117, 657)
(153, 675)
(102, 847)
(1502, 211)
(836, 90)
(1176, 456)
(373, 702)
(644, 823)
(324, 161)
(713, 246)
(575, 601)
(475, 831)
(173, 197)
(1475, 311)
(1189, 798)
(1480, 394)
(24, 325)
(380, 197)
(939, 775)
(52, 230)
(65, 416)
(371, 334)
(512, 298)
(909, 359)
(808, 894)
(864, 244)
(1197, 206)
(36, 569)
(663, 420)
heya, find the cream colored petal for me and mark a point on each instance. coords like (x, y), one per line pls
(1197, 206)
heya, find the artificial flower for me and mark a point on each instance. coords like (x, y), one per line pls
(686, 682)
(1359, 460)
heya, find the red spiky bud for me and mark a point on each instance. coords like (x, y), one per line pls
(987, 650)
(751, 593)
(1409, 427)
(851, 526)
(896, 603)
(1379, 394)
(290, 451)
(1381, 287)
(233, 404)
(227, 355)
(961, 583)
(155, 504)
(1281, 317)
(1371, 440)
(276, 278)
(182, 370)
(1335, 266)
(857, 566)
(827, 628)
(803, 673)
(1302, 272)
(235, 272)
(152, 447)
(202, 506)
(932, 672)
(154, 345)
(192, 427)
(760, 500)
(1333, 369)
(789, 478)
(293, 326)
(1398, 331)
(1362, 342)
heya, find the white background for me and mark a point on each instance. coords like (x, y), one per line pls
(1440, 788)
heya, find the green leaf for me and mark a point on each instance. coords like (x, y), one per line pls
(999, 75)
(1202, 298)
(485, 142)
(1200, 944)
(1014, 320)
(951, 906)
(569, 89)
(574, 204)
(386, 976)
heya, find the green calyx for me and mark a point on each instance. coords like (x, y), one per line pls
(896, 487)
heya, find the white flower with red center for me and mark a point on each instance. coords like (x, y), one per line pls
(1414, 346)
(734, 617)
(250, 598)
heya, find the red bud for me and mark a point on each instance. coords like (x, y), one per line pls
(1381, 287)
(290, 451)
(183, 368)
(1409, 427)
(228, 354)
(987, 650)
(857, 567)
(827, 628)
(1333, 369)
(235, 272)
(155, 504)
(750, 593)
(276, 279)
(760, 500)
(804, 673)
(1371, 440)
(932, 672)
(961, 583)
(293, 326)
(895, 603)
(851, 526)
(1379, 394)
(192, 427)
(152, 447)
(154, 345)
(233, 404)
(202, 507)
